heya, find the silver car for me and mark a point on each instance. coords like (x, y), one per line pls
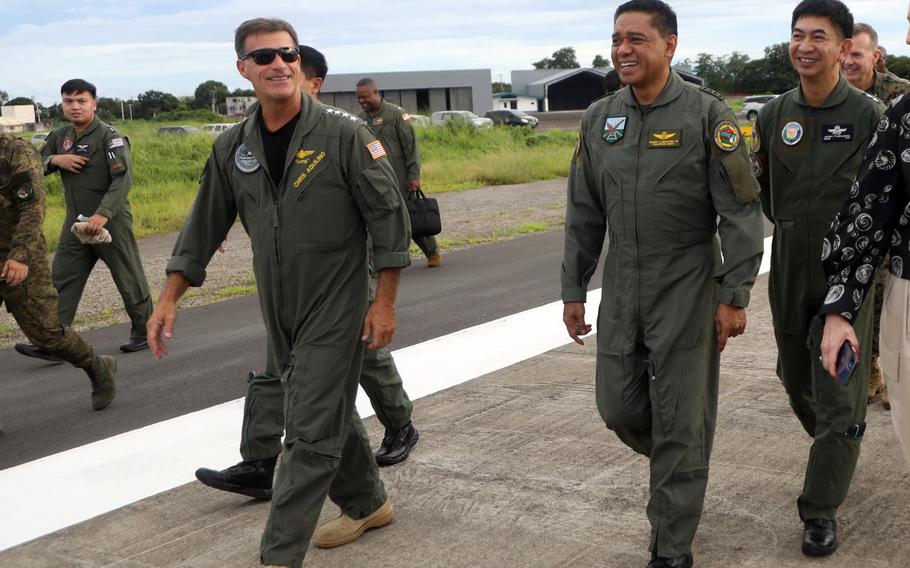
(751, 105)
(441, 117)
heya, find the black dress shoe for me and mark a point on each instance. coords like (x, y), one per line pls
(819, 537)
(134, 345)
(250, 478)
(30, 350)
(396, 445)
(684, 561)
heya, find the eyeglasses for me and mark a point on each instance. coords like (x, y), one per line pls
(267, 55)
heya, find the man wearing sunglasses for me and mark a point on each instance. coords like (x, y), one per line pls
(263, 412)
(307, 181)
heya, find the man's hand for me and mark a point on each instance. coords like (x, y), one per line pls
(69, 162)
(96, 223)
(837, 330)
(14, 272)
(730, 321)
(379, 325)
(573, 315)
(413, 185)
(160, 326)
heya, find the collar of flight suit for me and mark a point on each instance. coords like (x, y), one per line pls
(93, 125)
(310, 112)
(670, 93)
(836, 97)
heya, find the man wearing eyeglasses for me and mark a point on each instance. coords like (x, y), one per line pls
(307, 181)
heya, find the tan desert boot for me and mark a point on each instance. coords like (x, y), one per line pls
(344, 529)
(434, 261)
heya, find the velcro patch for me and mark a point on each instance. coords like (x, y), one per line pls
(664, 138)
(376, 149)
(115, 143)
(726, 136)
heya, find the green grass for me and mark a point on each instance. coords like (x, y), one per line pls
(166, 169)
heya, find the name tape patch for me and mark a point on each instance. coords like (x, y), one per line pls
(664, 138)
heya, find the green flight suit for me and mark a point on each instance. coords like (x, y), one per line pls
(263, 411)
(392, 126)
(33, 304)
(100, 187)
(309, 241)
(663, 180)
(805, 159)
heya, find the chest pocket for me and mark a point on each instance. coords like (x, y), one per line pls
(305, 174)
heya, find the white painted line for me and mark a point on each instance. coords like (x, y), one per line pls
(76, 485)
(766, 257)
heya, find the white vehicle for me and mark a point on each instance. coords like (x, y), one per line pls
(39, 138)
(443, 116)
(216, 129)
(751, 105)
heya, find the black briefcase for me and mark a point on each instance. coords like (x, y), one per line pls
(424, 213)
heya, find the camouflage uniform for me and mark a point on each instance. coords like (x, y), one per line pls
(34, 302)
(887, 87)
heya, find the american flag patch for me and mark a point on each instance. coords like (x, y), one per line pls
(376, 149)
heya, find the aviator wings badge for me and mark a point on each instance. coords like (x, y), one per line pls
(614, 128)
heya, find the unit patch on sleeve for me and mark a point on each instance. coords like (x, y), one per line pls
(664, 138)
(376, 149)
(726, 136)
(115, 143)
(837, 133)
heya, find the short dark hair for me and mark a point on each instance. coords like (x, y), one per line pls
(367, 82)
(863, 28)
(74, 86)
(663, 18)
(835, 10)
(260, 26)
(312, 62)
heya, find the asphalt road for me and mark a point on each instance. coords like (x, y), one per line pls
(45, 408)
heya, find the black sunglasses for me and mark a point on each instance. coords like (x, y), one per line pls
(267, 55)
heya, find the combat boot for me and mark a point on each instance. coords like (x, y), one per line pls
(876, 382)
(396, 445)
(252, 478)
(434, 260)
(819, 537)
(344, 529)
(102, 373)
(684, 561)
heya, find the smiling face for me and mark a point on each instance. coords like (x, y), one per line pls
(640, 54)
(860, 61)
(816, 48)
(278, 80)
(368, 98)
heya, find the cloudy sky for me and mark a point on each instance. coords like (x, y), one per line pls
(129, 46)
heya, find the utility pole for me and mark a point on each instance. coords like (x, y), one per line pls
(213, 101)
(122, 115)
(131, 111)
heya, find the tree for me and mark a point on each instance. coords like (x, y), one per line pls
(243, 93)
(899, 65)
(562, 58)
(4, 96)
(502, 87)
(599, 61)
(153, 102)
(210, 93)
(20, 101)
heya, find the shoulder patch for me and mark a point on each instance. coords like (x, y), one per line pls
(727, 136)
(115, 143)
(712, 92)
(376, 150)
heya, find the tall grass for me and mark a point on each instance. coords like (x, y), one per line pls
(166, 169)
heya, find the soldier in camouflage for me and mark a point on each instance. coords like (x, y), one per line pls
(25, 282)
(860, 67)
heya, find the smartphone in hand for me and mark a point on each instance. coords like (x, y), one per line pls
(846, 362)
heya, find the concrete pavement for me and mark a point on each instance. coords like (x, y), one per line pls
(516, 469)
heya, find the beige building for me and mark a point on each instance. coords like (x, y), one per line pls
(17, 118)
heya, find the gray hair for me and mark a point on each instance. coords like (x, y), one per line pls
(862, 28)
(259, 26)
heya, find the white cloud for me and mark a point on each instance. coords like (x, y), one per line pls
(130, 46)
